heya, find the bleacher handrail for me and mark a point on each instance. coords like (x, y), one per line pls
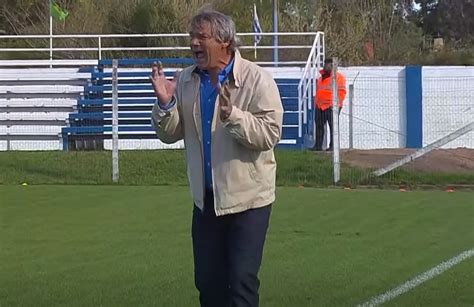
(100, 48)
(147, 35)
(306, 86)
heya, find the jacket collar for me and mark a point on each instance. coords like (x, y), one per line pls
(236, 74)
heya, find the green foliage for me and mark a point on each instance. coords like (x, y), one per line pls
(449, 19)
(395, 30)
(450, 57)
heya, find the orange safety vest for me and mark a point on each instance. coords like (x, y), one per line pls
(323, 99)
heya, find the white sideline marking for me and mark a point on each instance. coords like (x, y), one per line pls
(437, 270)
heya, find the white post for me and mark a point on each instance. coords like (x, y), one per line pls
(255, 50)
(351, 110)
(323, 50)
(50, 36)
(335, 124)
(115, 152)
(312, 89)
(314, 77)
(275, 30)
(100, 47)
(300, 119)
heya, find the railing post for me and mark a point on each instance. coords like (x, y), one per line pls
(300, 113)
(275, 30)
(324, 49)
(351, 110)
(115, 151)
(100, 47)
(335, 124)
(50, 40)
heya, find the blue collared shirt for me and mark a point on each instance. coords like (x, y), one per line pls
(208, 101)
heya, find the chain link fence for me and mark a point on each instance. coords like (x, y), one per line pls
(374, 131)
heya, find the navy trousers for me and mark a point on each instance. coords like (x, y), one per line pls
(321, 118)
(227, 255)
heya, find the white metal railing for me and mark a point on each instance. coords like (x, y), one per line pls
(100, 48)
(307, 85)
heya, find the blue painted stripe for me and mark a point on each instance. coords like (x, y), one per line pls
(414, 106)
(184, 61)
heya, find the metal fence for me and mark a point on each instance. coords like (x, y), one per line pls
(381, 118)
(376, 125)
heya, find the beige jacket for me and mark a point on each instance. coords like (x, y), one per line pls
(243, 163)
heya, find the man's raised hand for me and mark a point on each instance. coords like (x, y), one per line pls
(164, 89)
(225, 106)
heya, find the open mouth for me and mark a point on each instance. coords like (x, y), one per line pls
(199, 55)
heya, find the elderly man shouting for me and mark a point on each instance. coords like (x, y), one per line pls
(229, 113)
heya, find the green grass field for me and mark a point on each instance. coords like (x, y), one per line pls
(167, 167)
(102, 245)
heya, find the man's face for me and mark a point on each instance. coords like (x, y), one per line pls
(327, 67)
(207, 51)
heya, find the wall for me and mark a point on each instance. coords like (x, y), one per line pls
(380, 106)
(448, 103)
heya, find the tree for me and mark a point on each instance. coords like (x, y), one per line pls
(357, 31)
(450, 19)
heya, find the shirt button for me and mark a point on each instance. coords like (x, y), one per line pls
(209, 122)
(208, 143)
(208, 164)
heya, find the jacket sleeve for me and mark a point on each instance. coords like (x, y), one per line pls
(260, 127)
(341, 88)
(167, 122)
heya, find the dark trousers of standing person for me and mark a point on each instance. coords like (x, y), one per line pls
(227, 255)
(321, 118)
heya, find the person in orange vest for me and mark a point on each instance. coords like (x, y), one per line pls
(324, 102)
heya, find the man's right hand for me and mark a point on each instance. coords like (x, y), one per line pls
(164, 89)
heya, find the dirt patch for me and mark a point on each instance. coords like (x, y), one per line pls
(440, 160)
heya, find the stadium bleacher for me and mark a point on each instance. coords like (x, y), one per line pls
(35, 105)
(71, 108)
(93, 118)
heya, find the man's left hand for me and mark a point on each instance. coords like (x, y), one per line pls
(225, 106)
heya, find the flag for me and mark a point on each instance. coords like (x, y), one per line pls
(57, 12)
(257, 29)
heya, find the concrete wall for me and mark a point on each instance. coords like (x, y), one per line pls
(380, 106)
(448, 103)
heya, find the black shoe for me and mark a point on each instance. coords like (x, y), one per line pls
(316, 149)
(329, 149)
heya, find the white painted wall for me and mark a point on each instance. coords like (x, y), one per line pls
(378, 107)
(448, 103)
